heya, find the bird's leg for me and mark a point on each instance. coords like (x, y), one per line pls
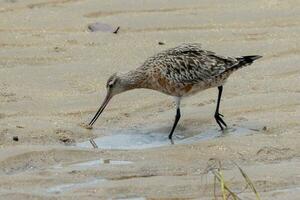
(218, 116)
(177, 117)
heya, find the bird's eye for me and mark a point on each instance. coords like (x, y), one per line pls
(110, 84)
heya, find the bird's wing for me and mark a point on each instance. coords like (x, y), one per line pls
(179, 50)
(190, 64)
(182, 49)
(195, 67)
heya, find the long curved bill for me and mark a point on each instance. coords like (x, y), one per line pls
(104, 104)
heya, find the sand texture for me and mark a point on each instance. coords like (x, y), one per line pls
(53, 72)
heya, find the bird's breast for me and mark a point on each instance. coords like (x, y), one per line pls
(170, 87)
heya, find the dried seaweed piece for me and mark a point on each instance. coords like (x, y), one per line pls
(117, 30)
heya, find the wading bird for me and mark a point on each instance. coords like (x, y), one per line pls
(181, 71)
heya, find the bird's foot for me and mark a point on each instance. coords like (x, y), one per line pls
(220, 121)
(171, 141)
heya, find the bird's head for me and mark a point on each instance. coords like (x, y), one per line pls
(116, 84)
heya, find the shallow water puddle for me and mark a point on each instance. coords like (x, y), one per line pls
(133, 198)
(71, 186)
(129, 140)
(95, 163)
(212, 134)
(134, 139)
(92, 163)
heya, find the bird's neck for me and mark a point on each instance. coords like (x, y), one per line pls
(134, 79)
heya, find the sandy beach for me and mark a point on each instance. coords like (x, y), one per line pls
(53, 72)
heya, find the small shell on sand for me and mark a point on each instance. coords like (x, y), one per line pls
(87, 126)
(99, 26)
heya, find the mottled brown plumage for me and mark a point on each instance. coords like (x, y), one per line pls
(180, 71)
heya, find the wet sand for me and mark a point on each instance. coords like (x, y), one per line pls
(52, 78)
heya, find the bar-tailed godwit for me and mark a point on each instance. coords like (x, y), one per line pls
(181, 71)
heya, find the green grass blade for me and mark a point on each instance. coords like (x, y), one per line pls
(249, 182)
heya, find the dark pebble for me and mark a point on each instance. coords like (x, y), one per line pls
(16, 138)
(66, 139)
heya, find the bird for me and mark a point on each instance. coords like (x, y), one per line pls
(180, 72)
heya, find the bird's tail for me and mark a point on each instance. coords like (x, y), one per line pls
(247, 60)
(243, 61)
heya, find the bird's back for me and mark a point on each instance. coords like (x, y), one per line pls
(188, 68)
